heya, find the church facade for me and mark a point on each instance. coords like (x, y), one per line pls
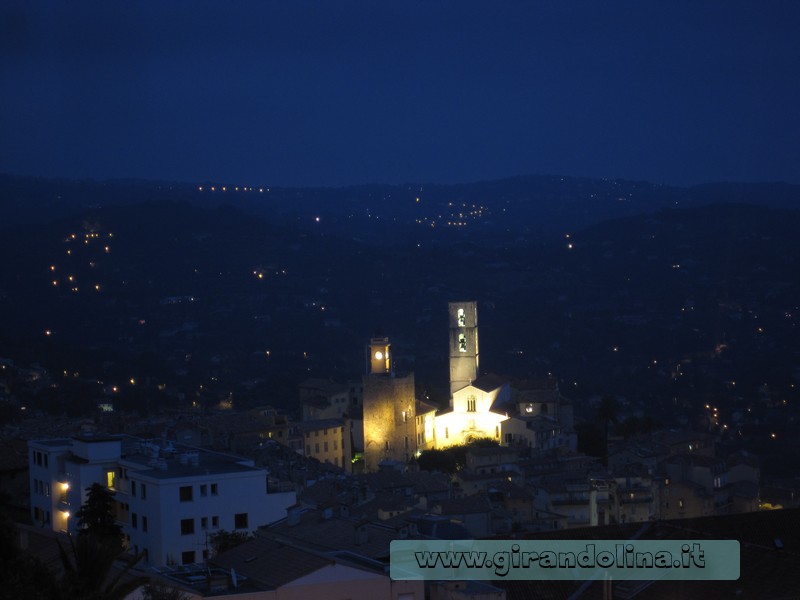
(397, 426)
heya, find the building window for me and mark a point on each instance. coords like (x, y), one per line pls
(335, 445)
(204, 490)
(185, 493)
(240, 521)
(133, 488)
(187, 526)
(325, 446)
(134, 520)
(497, 431)
(203, 522)
(446, 433)
(214, 489)
(187, 558)
(471, 402)
(462, 318)
(144, 523)
(215, 522)
(45, 460)
(46, 489)
(111, 477)
(462, 342)
(316, 448)
(308, 450)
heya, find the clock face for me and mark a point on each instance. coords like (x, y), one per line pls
(379, 355)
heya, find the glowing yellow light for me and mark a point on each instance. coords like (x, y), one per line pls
(133, 381)
(107, 249)
(261, 276)
(55, 282)
(71, 278)
(97, 287)
(52, 267)
(66, 514)
(379, 355)
(48, 332)
(65, 486)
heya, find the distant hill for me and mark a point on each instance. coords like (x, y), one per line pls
(540, 207)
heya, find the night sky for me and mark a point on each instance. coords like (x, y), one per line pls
(306, 93)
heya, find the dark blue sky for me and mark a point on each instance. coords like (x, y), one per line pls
(319, 92)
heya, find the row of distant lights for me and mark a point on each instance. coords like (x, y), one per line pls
(224, 188)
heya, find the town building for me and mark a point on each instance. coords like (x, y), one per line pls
(169, 498)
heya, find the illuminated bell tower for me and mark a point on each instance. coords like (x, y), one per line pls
(378, 360)
(463, 344)
(389, 409)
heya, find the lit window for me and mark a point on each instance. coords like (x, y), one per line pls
(471, 401)
(462, 342)
(462, 319)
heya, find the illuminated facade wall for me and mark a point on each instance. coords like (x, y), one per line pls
(463, 344)
(471, 416)
(390, 431)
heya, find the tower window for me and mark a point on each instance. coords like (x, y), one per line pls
(462, 342)
(471, 401)
(462, 319)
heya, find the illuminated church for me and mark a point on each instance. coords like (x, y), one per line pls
(397, 426)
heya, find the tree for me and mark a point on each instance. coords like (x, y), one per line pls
(97, 516)
(222, 540)
(88, 569)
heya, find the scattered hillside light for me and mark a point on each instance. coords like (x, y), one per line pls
(261, 276)
(97, 287)
(71, 278)
(115, 389)
(224, 189)
(261, 190)
(213, 188)
(569, 246)
(200, 188)
(773, 436)
(52, 267)
(48, 332)
(133, 381)
(316, 219)
(55, 282)
(615, 348)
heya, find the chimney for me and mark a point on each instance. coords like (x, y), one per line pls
(361, 533)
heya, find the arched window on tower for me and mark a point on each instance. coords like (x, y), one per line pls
(462, 318)
(462, 342)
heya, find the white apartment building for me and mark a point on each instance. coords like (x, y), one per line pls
(169, 497)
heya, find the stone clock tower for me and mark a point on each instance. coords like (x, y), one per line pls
(390, 431)
(463, 344)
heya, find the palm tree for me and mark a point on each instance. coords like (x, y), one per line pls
(89, 575)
